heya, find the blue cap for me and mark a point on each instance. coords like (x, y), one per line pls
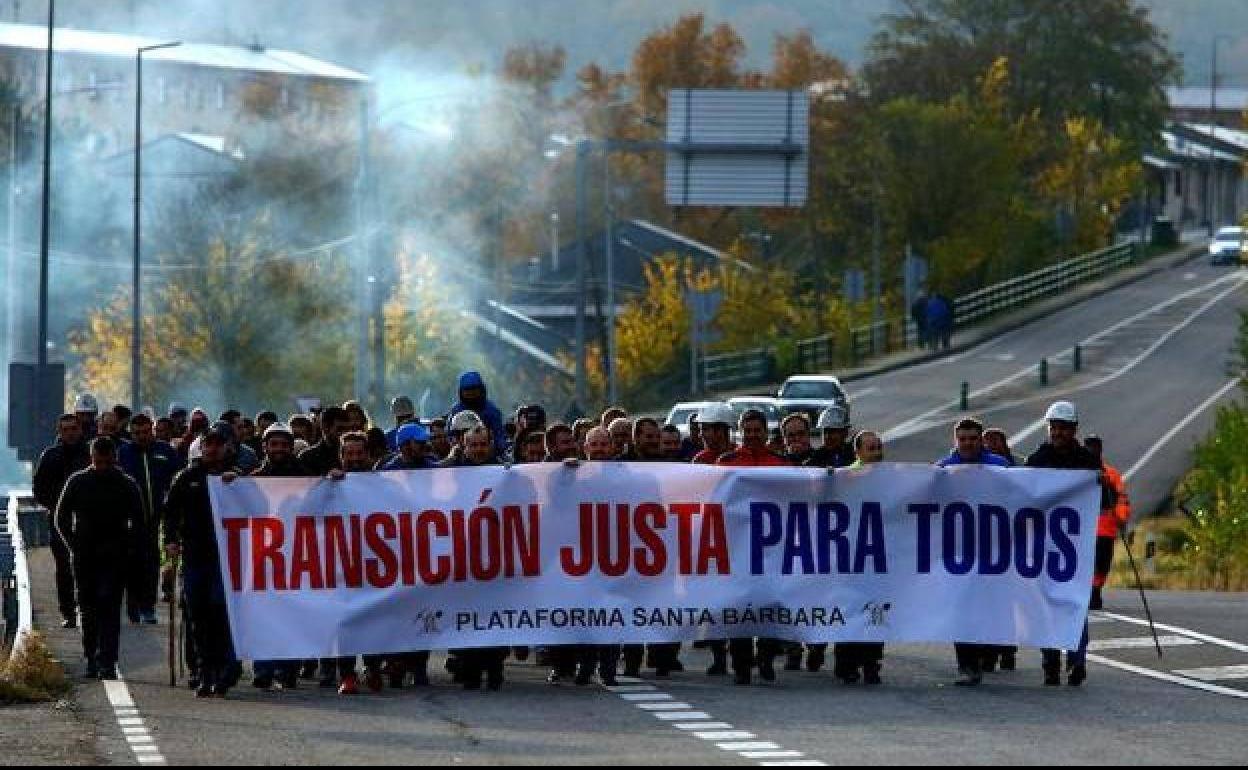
(412, 432)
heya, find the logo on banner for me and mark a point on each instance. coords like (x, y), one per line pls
(877, 613)
(429, 621)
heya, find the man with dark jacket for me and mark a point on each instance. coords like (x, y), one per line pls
(645, 447)
(279, 462)
(478, 450)
(152, 464)
(191, 534)
(837, 451)
(324, 457)
(968, 436)
(1062, 451)
(474, 397)
(97, 518)
(57, 463)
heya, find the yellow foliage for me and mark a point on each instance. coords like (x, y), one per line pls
(1092, 176)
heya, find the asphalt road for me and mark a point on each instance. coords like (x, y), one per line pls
(1154, 353)
(1166, 354)
(916, 716)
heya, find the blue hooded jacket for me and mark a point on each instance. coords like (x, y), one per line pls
(487, 411)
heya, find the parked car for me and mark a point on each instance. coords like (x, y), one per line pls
(765, 404)
(680, 414)
(1229, 246)
(811, 394)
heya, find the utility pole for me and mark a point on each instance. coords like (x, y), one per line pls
(41, 384)
(609, 204)
(582, 158)
(136, 331)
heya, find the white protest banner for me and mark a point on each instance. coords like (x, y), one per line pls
(629, 553)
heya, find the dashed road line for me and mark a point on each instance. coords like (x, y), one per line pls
(1195, 684)
(1214, 673)
(138, 737)
(1195, 678)
(1177, 630)
(1140, 642)
(703, 726)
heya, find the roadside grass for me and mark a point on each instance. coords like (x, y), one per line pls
(1171, 568)
(32, 675)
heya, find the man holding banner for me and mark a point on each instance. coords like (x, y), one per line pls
(1063, 451)
(477, 557)
(753, 453)
(189, 534)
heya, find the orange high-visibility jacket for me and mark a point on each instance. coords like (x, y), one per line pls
(1112, 518)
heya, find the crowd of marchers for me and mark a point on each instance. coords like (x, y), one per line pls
(128, 499)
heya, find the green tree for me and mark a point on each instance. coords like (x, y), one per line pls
(1100, 59)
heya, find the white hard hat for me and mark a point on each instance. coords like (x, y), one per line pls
(833, 418)
(717, 414)
(86, 403)
(464, 421)
(1062, 411)
(279, 428)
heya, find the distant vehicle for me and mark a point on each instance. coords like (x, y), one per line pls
(680, 414)
(811, 394)
(1229, 246)
(768, 406)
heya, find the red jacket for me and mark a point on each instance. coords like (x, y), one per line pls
(1112, 518)
(745, 457)
(708, 457)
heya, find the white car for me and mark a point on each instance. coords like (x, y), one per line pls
(680, 414)
(811, 394)
(768, 406)
(1228, 246)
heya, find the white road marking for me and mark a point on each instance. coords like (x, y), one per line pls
(673, 706)
(1026, 433)
(725, 735)
(1171, 678)
(921, 422)
(1054, 394)
(1139, 643)
(130, 721)
(1166, 439)
(703, 726)
(1177, 630)
(674, 715)
(795, 763)
(1214, 673)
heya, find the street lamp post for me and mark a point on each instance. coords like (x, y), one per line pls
(1210, 187)
(137, 330)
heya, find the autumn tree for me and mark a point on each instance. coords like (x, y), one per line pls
(231, 317)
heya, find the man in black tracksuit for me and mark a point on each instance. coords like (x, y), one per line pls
(191, 534)
(57, 463)
(152, 464)
(97, 518)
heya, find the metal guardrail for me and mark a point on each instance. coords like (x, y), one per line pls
(828, 351)
(736, 370)
(1042, 283)
(18, 612)
(860, 343)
